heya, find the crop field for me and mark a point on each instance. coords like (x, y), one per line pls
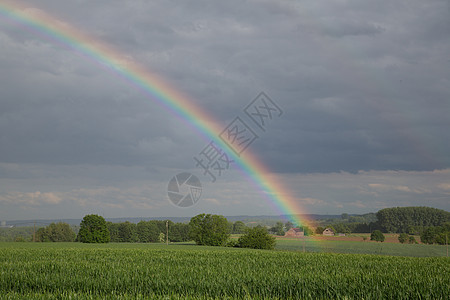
(359, 247)
(157, 271)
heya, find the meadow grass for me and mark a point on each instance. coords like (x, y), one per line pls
(367, 247)
(185, 271)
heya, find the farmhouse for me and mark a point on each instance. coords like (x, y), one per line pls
(294, 232)
(328, 232)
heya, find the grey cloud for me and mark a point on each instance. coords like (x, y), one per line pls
(364, 86)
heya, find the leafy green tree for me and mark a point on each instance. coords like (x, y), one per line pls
(278, 229)
(210, 230)
(239, 227)
(113, 229)
(436, 235)
(403, 238)
(342, 228)
(377, 235)
(319, 230)
(147, 231)
(59, 232)
(288, 225)
(127, 232)
(400, 219)
(257, 238)
(93, 229)
(308, 231)
(178, 232)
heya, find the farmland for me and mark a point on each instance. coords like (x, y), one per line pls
(346, 245)
(133, 271)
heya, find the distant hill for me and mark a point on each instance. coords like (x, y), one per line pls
(244, 218)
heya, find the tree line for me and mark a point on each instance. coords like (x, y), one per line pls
(204, 229)
(433, 226)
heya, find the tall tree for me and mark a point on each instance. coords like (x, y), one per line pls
(210, 230)
(93, 229)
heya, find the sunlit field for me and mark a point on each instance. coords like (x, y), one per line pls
(367, 247)
(185, 271)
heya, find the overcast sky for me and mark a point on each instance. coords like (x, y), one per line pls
(364, 87)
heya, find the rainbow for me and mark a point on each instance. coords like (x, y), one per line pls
(156, 89)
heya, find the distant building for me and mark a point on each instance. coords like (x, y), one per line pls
(294, 232)
(328, 232)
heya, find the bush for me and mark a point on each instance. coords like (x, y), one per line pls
(436, 235)
(403, 238)
(257, 238)
(232, 243)
(377, 236)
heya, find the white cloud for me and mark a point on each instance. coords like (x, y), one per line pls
(34, 198)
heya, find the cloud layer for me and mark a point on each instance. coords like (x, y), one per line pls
(364, 88)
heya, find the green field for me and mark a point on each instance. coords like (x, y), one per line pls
(155, 271)
(414, 250)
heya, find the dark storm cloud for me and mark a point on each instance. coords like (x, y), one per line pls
(363, 86)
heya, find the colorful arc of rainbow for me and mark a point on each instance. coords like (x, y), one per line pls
(157, 90)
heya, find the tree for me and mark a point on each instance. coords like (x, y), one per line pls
(147, 231)
(436, 235)
(319, 230)
(308, 231)
(342, 228)
(113, 229)
(288, 225)
(257, 238)
(344, 216)
(377, 236)
(403, 238)
(239, 227)
(59, 232)
(178, 232)
(127, 232)
(400, 219)
(93, 229)
(209, 230)
(278, 229)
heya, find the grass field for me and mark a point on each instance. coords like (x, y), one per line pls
(157, 271)
(354, 247)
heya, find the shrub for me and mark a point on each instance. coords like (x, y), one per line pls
(377, 236)
(412, 240)
(257, 238)
(403, 238)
